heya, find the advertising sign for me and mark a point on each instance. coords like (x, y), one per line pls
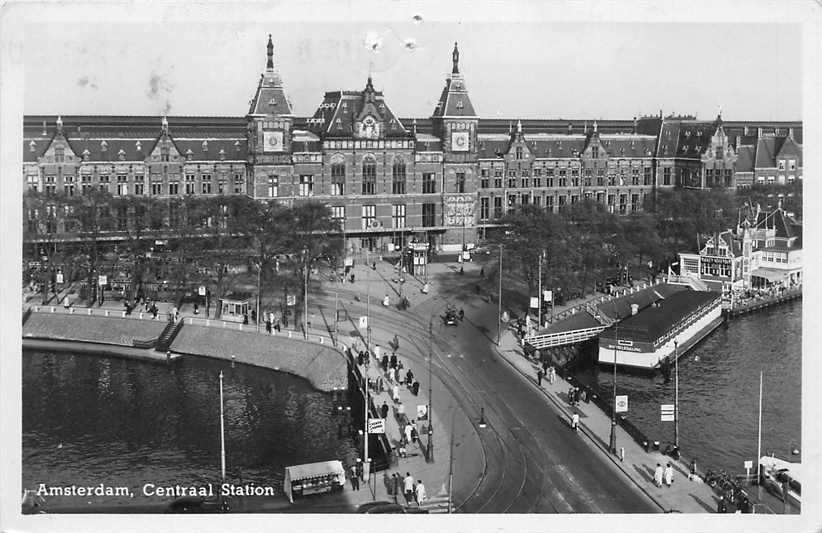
(548, 296)
(622, 403)
(59, 277)
(201, 290)
(102, 279)
(290, 300)
(459, 210)
(363, 322)
(666, 412)
(376, 425)
(534, 302)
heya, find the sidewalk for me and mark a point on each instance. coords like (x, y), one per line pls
(682, 496)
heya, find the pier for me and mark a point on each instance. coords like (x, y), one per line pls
(763, 302)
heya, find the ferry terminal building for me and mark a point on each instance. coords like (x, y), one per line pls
(441, 180)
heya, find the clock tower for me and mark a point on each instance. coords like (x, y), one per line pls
(454, 119)
(270, 121)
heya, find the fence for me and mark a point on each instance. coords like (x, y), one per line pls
(252, 328)
(141, 315)
(566, 337)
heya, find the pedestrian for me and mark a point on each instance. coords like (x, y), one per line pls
(384, 410)
(414, 434)
(396, 342)
(408, 486)
(553, 374)
(400, 366)
(393, 360)
(268, 326)
(400, 409)
(669, 474)
(420, 493)
(575, 421)
(384, 362)
(409, 378)
(692, 475)
(722, 505)
(658, 474)
(482, 272)
(355, 479)
(462, 314)
(407, 432)
(415, 388)
(395, 393)
(571, 396)
(245, 318)
(539, 377)
(401, 450)
(380, 384)
(277, 326)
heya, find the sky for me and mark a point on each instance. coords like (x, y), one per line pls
(529, 70)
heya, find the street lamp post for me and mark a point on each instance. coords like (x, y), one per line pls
(539, 291)
(499, 301)
(429, 451)
(613, 412)
(305, 298)
(676, 394)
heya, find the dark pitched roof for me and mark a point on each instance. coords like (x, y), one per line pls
(766, 149)
(621, 307)
(745, 159)
(211, 149)
(454, 100)
(790, 149)
(628, 145)
(336, 116)
(270, 98)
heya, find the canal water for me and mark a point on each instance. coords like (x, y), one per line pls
(719, 391)
(91, 419)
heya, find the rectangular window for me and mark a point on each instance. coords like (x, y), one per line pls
(648, 178)
(306, 185)
(563, 182)
(138, 189)
(429, 215)
(369, 178)
(460, 182)
(666, 176)
(595, 151)
(205, 183)
(190, 184)
(398, 215)
(792, 164)
(623, 202)
(512, 179)
(574, 198)
(575, 181)
(398, 181)
(525, 199)
(537, 201)
(173, 188)
(549, 203)
(238, 183)
(634, 203)
(498, 207)
(369, 216)
(549, 182)
(156, 189)
(634, 176)
(600, 197)
(429, 186)
(780, 164)
(59, 154)
(537, 182)
(273, 186)
(485, 208)
(525, 182)
(484, 179)
(338, 214)
(122, 185)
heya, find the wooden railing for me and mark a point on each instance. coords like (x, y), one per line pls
(552, 340)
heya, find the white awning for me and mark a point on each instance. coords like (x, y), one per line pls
(311, 470)
(770, 274)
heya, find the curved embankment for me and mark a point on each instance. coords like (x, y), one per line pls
(324, 367)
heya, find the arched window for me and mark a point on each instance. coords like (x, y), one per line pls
(369, 176)
(338, 178)
(398, 177)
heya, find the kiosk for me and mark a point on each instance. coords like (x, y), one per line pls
(419, 251)
(235, 307)
(313, 478)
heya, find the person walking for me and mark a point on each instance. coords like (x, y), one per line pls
(575, 421)
(420, 493)
(414, 434)
(407, 430)
(669, 474)
(658, 473)
(395, 392)
(692, 475)
(408, 487)
(393, 360)
(540, 374)
(722, 505)
(384, 410)
(395, 480)
(355, 479)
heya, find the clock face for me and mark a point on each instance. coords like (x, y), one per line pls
(459, 141)
(272, 141)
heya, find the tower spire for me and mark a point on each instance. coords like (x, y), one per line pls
(455, 57)
(270, 63)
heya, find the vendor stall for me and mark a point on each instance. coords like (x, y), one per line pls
(313, 478)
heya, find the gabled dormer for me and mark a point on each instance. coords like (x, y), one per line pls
(518, 149)
(594, 147)
(270, 118)
(369, 123)
(164, 150)
(454, 119)
(719, 147)
(59, 151)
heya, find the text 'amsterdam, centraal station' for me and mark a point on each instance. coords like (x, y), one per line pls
(390, 180)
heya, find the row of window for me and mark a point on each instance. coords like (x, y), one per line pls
(122, 186)
(368, 215)
(564, 181)
(368, 186)
(622, 207)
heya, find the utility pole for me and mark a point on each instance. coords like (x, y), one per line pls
(539, 292)
(305, 298)
(499, 301)
(451, 466)
(259, 290)
(613, 412)
(222, 430)
(429, 452)
(759, 437)
(336, 313)
(676, 393)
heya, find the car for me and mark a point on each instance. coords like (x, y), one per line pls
(450, 317)
(199, 504)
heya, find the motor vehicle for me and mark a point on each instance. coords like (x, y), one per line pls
(450, 317)
(389, 508)
(199, 504)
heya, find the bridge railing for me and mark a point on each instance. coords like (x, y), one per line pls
(566, 337)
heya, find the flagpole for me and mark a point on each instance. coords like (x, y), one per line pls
(222, 430)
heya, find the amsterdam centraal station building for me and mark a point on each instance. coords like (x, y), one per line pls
(442, 179)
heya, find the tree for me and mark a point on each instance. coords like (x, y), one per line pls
(92, 214)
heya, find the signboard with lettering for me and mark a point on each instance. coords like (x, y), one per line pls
(459, 210)
(548, 296)
(59, 277)
(290, 300)
(201, 290)
(102, 279)
(363, 322)
(376, 425)
(666, 412)
(622, 403)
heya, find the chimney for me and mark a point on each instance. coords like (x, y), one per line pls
(745, 131)
(570, 128)
(759, 132)
(635, 124)
(45, 132)
(634, 309)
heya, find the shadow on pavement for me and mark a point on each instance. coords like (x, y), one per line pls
(646, 472)
(703, 504)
